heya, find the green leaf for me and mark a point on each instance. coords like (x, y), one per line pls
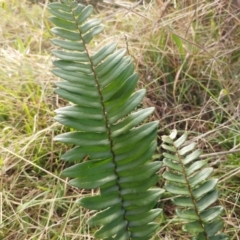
(143, 219)
(143, 238)
(63, 23)
(187, 149)
(172, 165)
(68, 56)
(75, 77)
(69, 35)
(142, 169)
(125, 108)
(173, 134)
(94, 31)
(83, 91)
(83, 138)
(110, 187)
(87, 125)
(213, 227)
(196, 166)
(94, 152)
(171, 156)
(86, 12)
(141, 198)
(100, 202)
(61, 14)
(106, 216)
(121, 235)
(193, 227)
(172, 177)
(210, 214)
(75, 154)
(180, 141)
(59, 6)
(143, 231)
(141, 172)
(200, 176)
(181, 190)
(169, 148)
(81, 112)
(116, 77)
(89, 24)
(131, 121)
(139, 157)
(103, 53)
(138, 186)
(183, 202)
(121, 148)
(91, 182)
(110, 62)
(69, 45)
(221, 236)
(78, 9)
(205, 188)
(189, 214)
(75, 98)
(133, 156)
(192, 156)
(73, 66)
(135, 209)
(121, 143)
(207, 200)
(167, 139)
(112, 228)
(84, 169)
(142, 185)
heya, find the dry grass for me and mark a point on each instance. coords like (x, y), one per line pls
(188, 59)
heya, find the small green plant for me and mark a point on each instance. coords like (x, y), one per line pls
(187, 180)
(113, 149)
(113, 142)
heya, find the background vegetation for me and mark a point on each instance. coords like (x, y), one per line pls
(188, 56)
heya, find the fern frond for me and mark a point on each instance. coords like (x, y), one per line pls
(187, 178)
(109, 132)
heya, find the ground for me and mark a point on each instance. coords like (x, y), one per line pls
(187, 55)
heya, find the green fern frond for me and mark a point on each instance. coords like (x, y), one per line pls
(187, 178)
(113, 148)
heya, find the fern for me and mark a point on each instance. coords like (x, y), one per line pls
(113, 149)
(187, 178)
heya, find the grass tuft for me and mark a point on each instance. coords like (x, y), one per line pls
(188, 56)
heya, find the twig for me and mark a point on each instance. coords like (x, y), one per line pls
(219, 153)
(130, 9)
(164, 8)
